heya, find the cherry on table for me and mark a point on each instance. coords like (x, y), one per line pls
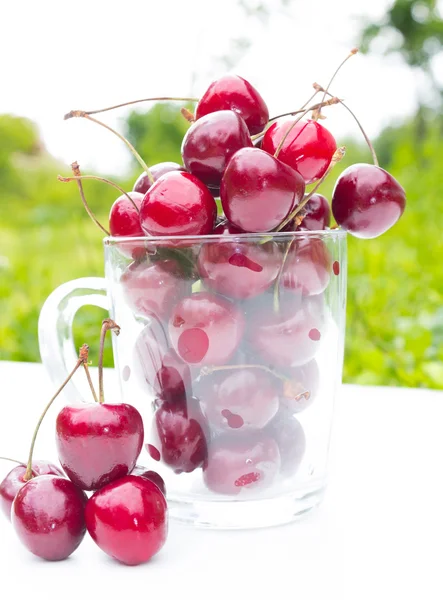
(367, 200)
(307, 268)
(128, 519)
(210, 142)
(143, 183)
(48, 516)
(258, 191)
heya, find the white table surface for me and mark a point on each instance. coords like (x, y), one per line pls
(378, 533)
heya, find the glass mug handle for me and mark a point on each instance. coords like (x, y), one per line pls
(55, 336)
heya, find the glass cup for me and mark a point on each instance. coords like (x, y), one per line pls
(231, 348)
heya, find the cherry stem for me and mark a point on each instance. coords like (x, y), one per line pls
(107, 324)
(13, 460)
(365, 135)
(187, 114)
(85, 115)
(353, 52)
(73, 113)
(279, 276)
(338, 156)
(88, 377)
(83, 357)
(300, 110)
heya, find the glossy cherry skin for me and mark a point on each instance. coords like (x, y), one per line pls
(98, 443)
(152, 289)
(317, 214)
(158, 367)
(238, 269)
(303, 387)
(143, 182)
(309, 147)
(236, 465)
(307, 268)
(128, 519)
(178, 204)
(291, 440)
(179, 437)
(48, 516)
(153, 476)
(367, 201)
(14, 481)
(239, 400)
(210, 143)
(206, 329)
(232, 92)
(290, 337)
(258, 191)
(124, 221)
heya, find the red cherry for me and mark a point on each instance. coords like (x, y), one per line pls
(291, 440)
(153, 476)
(317, 214)
(14, 481)
(152, 289)
(305, 378)
(232, 92)
(98, 443)
(143, 182)
(206, 329)
(210, 142)
(178, 204)
(158, 366)
(258, 191)
(307, 268)
(124, 221)
(239, 399)
(309, 147)
(238, 269)
(237, 465)
(48, 516)
(367, 201)
(128, 519)
(178, 437)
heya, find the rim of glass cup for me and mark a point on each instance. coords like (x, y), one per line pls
(323, 233)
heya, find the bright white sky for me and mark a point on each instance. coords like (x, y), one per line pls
(59, 55)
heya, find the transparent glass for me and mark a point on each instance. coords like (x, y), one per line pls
(231, 347)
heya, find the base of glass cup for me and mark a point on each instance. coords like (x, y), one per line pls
(247, 514)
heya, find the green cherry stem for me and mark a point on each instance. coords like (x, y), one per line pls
(83, 357)
(88, 377)
(73, 113)
(107, 325)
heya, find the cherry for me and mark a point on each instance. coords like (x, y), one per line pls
(317, 214)
(307, 268)
(152, 289)
(232, 92)
(239, 399)
(305, 378)
(178, 437)
(210, 142)
(152, 476)
(143, 182)
(124, 220)
(48, 516)
(205, 329)
(235, 465)
(127, 519)
(158, 366)
(291, 440)
(309, 147)
(238, 269)
(290, 336)
(15, 480)
(367, 200)
(258, 191)
(178, 204)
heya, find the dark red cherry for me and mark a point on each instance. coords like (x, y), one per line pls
(291, 440)
(317, 214)
(48, 516)
(153, 476)
(238, 269)
(158, 367)
(178, 204)
(367, 201)
(232, 92)
(309, 147)
(236, 465)
(178, 437)
(152, 289)
(239, 400)
(307, 268)
(258, 191)
(14, 481)
(210, 142)
(206, 329)
(143, 182)
(303, 387)
(128, 519)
